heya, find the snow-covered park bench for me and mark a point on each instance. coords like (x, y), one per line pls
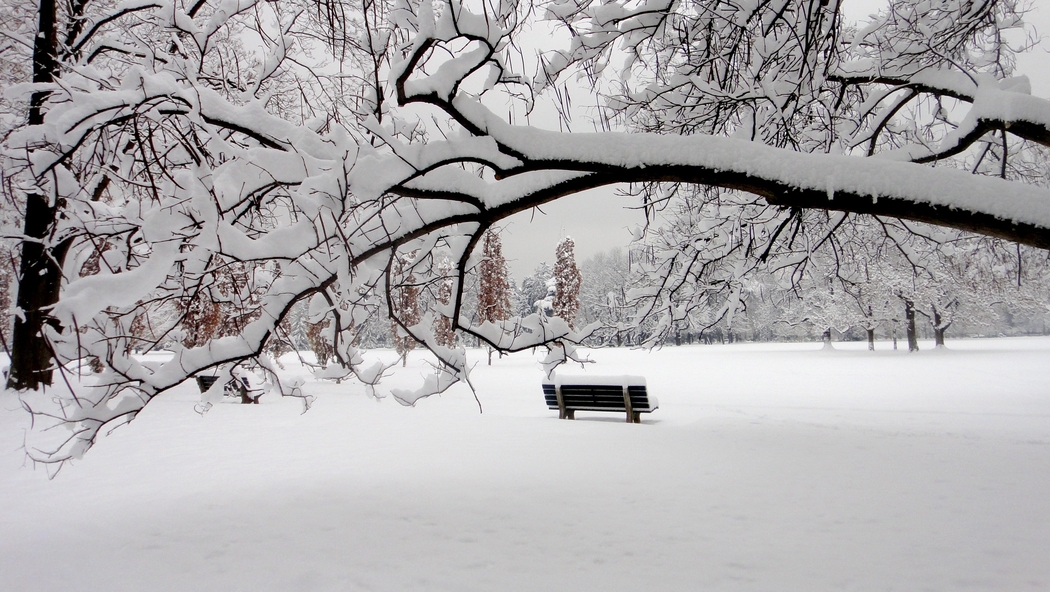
(232, 388)
(618, 394)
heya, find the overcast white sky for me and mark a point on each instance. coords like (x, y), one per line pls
(598, 220)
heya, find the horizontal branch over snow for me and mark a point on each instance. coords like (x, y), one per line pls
(943, 196)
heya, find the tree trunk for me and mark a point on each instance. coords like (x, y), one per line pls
(871, 339)
(40, 268)
(246, 397)
(938, 329)
(909, 320)
(826, 338)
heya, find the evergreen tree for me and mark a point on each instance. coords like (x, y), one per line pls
(566, 282)
(493, 283)
(444, 335)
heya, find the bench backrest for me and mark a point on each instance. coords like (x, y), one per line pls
(597, 397)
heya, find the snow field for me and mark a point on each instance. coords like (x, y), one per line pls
(767, 467)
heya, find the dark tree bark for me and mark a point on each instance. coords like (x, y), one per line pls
(871, 339)
(909, 320)
(938, 328)
(40, 267)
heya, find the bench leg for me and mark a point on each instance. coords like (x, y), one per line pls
(563, 413)
(637, 417)
(627, 405)
(570, 414)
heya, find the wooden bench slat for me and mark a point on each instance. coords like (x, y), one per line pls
(635, 402)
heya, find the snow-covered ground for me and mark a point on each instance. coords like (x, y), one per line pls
(767, 468)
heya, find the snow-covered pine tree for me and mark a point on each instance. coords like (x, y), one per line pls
(566, 281)
(444, 334)
(493, 283)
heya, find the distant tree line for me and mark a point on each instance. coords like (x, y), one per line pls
(918, 284)
(863, 289)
